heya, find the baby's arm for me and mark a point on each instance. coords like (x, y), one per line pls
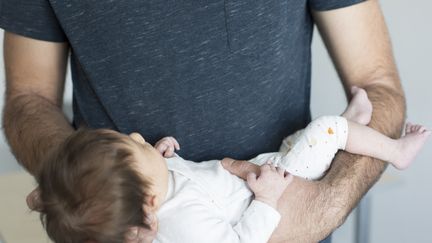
(257, 223)
(166, 146)
(261, 218)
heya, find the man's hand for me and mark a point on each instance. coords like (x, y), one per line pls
(166, 146)
(270, 184)
(240, 168)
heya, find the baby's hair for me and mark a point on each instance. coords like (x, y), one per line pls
(90, 190)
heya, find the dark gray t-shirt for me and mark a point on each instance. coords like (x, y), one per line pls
(225, 77)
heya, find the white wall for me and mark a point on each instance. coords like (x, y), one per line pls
(401, 206)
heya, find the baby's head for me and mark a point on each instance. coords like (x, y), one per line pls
(100, 183)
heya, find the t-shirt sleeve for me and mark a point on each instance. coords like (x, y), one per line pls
(31, 18)
(323, 5)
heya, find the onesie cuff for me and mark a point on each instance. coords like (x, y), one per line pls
(270, 214)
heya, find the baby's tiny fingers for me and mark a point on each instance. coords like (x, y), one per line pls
(161, 147)
(265, 167)
(169, 152)
(168, 144)
(176, 144)
(281, 171)
(422, 129)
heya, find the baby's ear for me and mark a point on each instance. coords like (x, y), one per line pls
(151, 204)
(150, 214)
(137, 137)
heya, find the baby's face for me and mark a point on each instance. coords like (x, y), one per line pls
(152, 165)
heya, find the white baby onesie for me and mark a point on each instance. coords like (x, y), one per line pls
(206, 204)
(308, 153)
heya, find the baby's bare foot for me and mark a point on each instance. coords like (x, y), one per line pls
(410, 145)
(360, 108)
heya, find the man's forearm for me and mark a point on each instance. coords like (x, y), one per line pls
(33, 127)
(363, 57)
(351, 176)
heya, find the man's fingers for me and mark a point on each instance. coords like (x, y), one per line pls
(140, 235)
(150, 219)
(34, 201)
(251, 179)
(240, 168)
(132, 235)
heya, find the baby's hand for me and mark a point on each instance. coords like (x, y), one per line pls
(166, 146)
(270, 184)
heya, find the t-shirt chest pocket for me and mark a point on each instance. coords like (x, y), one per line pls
(253, 27)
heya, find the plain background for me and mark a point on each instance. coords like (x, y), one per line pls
(401, 206)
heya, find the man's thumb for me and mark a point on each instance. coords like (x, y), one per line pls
(239, 168)
(251, 180)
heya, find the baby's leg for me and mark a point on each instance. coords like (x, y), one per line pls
(313, 149)
(324, 136)
(399, 152)
(367, 141)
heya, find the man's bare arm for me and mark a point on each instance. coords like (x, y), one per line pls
(357, 40)
(359, 44)
(33, 121)
(32, 118)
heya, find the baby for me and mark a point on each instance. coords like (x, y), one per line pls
(100, 183)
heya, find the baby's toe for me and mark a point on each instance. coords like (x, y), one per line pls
(422, 129)
(409, 127)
